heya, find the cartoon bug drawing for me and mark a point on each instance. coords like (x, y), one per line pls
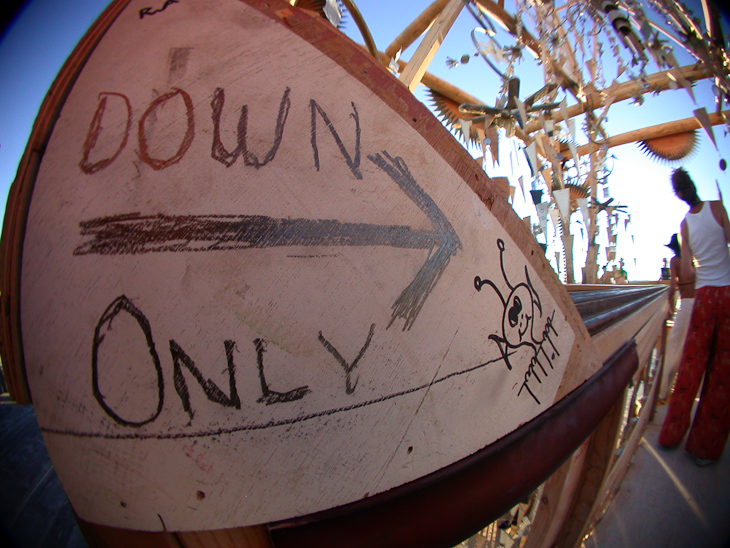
(527, 335)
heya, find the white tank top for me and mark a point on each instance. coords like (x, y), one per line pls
(709, 247)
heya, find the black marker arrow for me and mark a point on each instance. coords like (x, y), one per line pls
(136, 234)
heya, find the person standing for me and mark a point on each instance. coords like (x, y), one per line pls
(705, 233)
(685, 286)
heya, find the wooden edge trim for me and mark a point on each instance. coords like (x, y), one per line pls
(16, 212)
(442, 509)
(615, 476)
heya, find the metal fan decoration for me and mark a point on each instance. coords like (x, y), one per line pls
(606, 205)
(506, 114)
(329, 9)
(670, 148)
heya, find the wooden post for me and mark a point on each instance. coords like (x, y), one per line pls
(600, 454)
(555, 501)
(660, 369)
(418, 64)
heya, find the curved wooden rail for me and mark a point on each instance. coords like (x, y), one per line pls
(601, 308)
(474, 491)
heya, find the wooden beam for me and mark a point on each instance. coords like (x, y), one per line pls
(658, 81)
(415, 29)
(442, 86)
(613, 480)
(660, 130)
(418, 64)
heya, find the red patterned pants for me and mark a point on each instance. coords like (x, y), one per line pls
(706, 351)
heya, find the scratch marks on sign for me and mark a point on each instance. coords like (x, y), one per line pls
(178, 65)
(144, 12)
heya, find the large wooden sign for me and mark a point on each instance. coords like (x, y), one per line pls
(260, 280)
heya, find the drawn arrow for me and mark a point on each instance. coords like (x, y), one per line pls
(133, 233)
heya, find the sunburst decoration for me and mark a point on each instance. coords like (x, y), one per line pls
(448, 111)
(671, 148)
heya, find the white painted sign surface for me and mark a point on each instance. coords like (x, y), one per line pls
(252, 291)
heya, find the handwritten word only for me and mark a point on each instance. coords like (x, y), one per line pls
(182, 363)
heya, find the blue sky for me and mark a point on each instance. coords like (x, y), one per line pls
(33, 50)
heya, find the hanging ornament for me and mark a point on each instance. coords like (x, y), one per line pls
(562, 198)
(704, 119)
(536, 196)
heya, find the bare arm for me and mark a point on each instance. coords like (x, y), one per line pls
(687, 269)
(673, 282)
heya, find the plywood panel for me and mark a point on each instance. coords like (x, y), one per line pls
(260, 280)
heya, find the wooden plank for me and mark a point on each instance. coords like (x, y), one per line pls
(614, 478)
(442, 86)
(508, 22)
(420, 60)
(605, 341)
(553, 526)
